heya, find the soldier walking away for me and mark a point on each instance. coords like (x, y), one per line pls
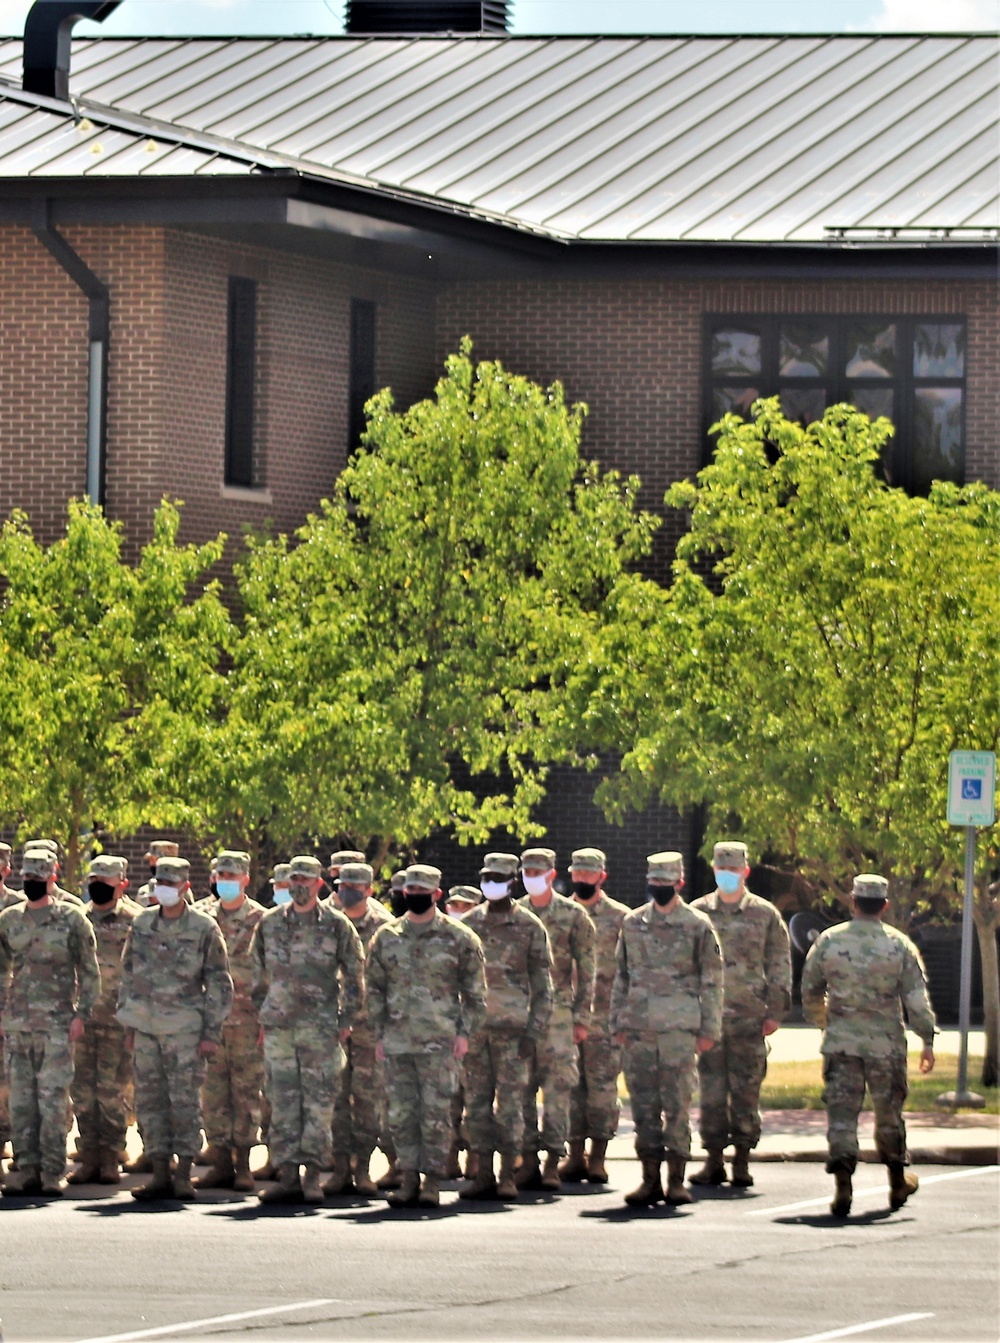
(594, 1105)
(666, 1009)
(426, 998)
(309, 987)
(102, 1065)
(552, 1066)
(175, 995)
(857, 979)
(518, 1007)
(49, 981)
(756, 998)
(234, 1073)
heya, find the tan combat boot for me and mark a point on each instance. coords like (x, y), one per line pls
(142, 1165)
(392, 1178)
(243, 1180)
(89, 1167)
(23, 1181)
(741, 1177)
(53, 1184)
(341, 1181)
(267, 1171)
(471, 1165)
(528, 1174)
(406, 1195)
(676, 1193)
(159, 1186)
(221, 1172)
(312, 1190)
(430, 1192)
(110, 1171)
(507, 1189)
(482, 1184)
(453, 1168)
(574, 1168)
(182, 1183)
(287, 1190)
(363, 1182)
(843, 1194)
(650, 1191)
(550, 1175)
(713, 1171)
(597, 1171)
(902, 1183)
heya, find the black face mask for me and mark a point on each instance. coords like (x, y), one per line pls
(661, 894)
(350, 896)
(585, 890)
(301, 894)
(213, 889)
(152, 870)
(101, 892)
(418, 902)
(35, 888)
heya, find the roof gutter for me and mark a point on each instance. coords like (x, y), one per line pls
(98, 333)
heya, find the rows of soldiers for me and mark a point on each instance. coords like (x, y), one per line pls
(327, 1026)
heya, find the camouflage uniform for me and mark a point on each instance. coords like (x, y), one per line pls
(175, 992)
(758, 981)
(308, 986)
(425, 987)
(856, 980)
(7, 898)
(160, 848)
(48, 974)
(594, 1104)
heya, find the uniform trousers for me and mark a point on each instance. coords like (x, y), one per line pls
(421, 1088)
(552, 1069)
(40, 1069)
(102, 1086)
(302, 1064)
(660, 1070)
(594, 1106)
(168, 1073)
(359, 1115)
(495, 1072)
(730, 1076)
(844, 1079)
(231, 1089)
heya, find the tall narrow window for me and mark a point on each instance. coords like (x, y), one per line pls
(362, 367)
(240, 348)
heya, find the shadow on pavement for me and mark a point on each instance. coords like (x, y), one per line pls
(825, 1220)
(659, 1213)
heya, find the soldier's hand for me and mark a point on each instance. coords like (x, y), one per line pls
(206, 1047)
(76, 1029)
(344, 1035)
(526, 1048)
(380, 1052)
(260, 1038)
(461, 1047)
(927, 1059)
(703, 1044)
(769, 1026)
(130, 1042)
(580, 1034)
(621, 1038)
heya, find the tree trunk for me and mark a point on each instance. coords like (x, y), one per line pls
(987, 918)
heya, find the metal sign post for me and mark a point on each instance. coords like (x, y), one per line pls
(971, 792)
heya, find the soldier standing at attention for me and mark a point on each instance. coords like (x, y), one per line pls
(359, 1115)
(102, 1066)
(552, 1067)
(666, 1009)
(426, 997)
(175, 994)
(49, 981)
(7, 898)
(518, 1007)
(594, 1104)
(461, 899)
(856, 981)
(757, 996)
(159, 848)
(234, 1073)
(303, 953)
(337, 861)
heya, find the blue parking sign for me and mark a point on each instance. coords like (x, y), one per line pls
(972, 790)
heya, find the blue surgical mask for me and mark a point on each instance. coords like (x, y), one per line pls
(282, 895)
(727, 882)
(228, 890)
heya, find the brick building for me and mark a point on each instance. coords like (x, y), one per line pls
(213, 250)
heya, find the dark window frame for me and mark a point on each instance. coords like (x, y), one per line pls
(904, 384)
(362, 358)
(241, 383)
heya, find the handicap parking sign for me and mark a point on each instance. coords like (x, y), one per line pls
(972, 790)
(971, 786)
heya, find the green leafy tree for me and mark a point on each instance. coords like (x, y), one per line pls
(403, 662)
(105, 669)
(826, 641)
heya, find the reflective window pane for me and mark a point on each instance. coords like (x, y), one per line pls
(874, 401)
(804, 404)
(735, 351)
(803, 352)
(871, 350)
(939, 350)
(938, 451)
(735, 399)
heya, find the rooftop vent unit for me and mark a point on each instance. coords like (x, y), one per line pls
(48, 35)
(372, 18)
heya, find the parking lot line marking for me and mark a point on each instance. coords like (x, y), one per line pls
(864, 1328)
(878, 1189)
(163, 1330)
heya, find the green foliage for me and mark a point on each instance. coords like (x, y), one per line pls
(104, 669)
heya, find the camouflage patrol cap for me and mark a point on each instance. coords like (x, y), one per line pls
(38, 863)
(107, 867)
(730, 853)
(870, 886)
(588, 860)
(175, 871)
(279, 873)
(542, 858)
(232, 860)
(667, 866)
(398, 880)
(357, 874)
(423, 878)
(5, 852)
(305, 865)
(346, 856)
(51, 844)
(163, 848)
(504, 863)
(468, 895)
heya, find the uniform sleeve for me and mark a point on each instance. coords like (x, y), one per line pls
(218, 984)
(583, 949)
(376, 984)
(261, 981)
(541, 995)
(88, 971)
(710, 966)
(913, 986)
(352, 970)
(6, 961)
(125, 981)
(472, 986)
(814, 985)
(619, 988)
(778, 968)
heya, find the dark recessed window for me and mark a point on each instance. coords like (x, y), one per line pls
(910, 369)
(362, 368)
(240, 381)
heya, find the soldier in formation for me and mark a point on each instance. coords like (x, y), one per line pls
(857, 980)
(7, 897)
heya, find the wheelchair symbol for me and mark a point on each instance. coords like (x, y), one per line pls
(972, 790)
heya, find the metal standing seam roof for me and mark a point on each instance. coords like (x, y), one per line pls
(610, 139)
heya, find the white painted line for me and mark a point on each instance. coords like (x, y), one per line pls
(963, 1174)
(165, 1330)
(863, 1328)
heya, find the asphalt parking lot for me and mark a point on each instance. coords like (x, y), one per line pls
(769, 1263)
